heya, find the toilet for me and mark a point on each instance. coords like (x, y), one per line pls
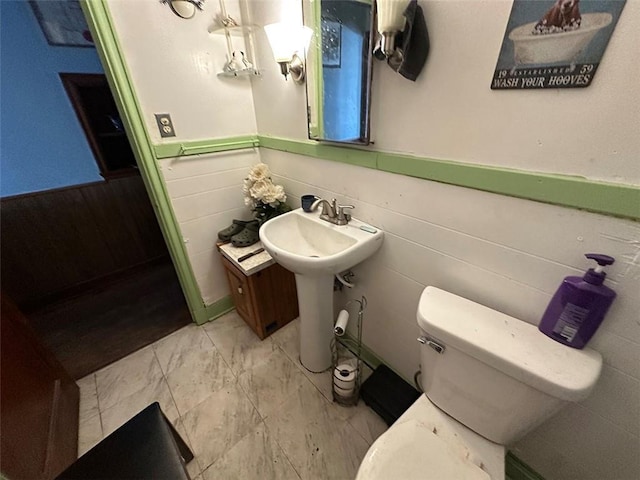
(488, 379)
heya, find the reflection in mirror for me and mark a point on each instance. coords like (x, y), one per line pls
(339, 70)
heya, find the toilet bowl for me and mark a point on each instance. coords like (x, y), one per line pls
(488, 379)
(425, 443)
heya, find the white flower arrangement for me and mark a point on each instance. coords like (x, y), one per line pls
(261, 195)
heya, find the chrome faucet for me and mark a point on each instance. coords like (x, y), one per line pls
(332, 212)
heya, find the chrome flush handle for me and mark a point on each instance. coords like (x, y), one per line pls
(432, 343)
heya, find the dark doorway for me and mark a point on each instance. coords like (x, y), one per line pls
(88, 263)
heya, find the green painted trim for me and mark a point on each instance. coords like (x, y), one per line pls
(215, 310)
(516, 469)
(325, 151)
(315, 13)
(198, 147)
(575, 192)
(110, 52)
(615, 199)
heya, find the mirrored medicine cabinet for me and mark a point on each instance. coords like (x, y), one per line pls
(339, 64)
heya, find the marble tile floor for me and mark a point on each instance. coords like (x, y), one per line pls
(246, 407)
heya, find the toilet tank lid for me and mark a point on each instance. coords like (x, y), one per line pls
(512, 346)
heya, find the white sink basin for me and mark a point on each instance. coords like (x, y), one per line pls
(306, 245)
(315, 250)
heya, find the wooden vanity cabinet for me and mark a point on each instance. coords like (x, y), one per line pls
(267, 299)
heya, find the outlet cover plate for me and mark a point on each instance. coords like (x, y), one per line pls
(165, 125)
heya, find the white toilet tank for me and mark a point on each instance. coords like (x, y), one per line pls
(498, 375)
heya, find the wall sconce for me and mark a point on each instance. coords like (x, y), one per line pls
(390, 22)
(287, 41)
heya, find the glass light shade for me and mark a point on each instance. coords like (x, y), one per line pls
(286, 39)
(390, 18)
(183, 8)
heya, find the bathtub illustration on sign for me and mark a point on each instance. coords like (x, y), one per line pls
(554, 43)
(562, 47)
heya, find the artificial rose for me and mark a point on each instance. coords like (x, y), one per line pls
(260, 189)
(259, 172)
(262, 196)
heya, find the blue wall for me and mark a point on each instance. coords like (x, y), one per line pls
(42, 145)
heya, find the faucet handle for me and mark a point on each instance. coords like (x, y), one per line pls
(343, 217)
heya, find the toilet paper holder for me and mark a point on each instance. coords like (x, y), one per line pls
(346, 354)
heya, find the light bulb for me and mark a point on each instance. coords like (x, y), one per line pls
(390, 21)
(390, 18)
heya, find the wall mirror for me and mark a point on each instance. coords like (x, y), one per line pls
(339, 63)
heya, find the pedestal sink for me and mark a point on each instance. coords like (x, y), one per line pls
(315, 250)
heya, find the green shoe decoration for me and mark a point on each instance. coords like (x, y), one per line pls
(236, 227)
(248, 236)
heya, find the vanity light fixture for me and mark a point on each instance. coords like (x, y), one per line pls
(390, 22)
(287, 42)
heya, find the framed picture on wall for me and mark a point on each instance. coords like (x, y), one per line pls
(63, 23)
(331, 43)
(554, 44)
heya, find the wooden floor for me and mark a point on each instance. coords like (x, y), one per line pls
(108, 323)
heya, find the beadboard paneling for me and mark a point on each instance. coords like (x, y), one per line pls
(206, 195)
(58, 240)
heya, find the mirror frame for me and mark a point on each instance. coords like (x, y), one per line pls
(312, 17)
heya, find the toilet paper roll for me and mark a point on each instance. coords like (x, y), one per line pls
(344, 379)
(341, 323)
(343, 392)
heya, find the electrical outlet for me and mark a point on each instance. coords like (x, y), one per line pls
(165, 125)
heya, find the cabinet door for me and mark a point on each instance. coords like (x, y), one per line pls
(241, 296)
(274, 292)
(39, 404)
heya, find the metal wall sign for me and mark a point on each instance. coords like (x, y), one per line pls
(554, 43)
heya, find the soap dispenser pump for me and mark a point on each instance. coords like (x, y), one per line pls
(579, 305)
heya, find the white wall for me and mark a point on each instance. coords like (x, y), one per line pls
(455, 116)
(174, 63)
(509, 254)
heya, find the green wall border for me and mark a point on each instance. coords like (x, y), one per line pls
(110, 52)
(614, 199)
(312, 148)
(198, 147)
(219, 308)
(312, 13)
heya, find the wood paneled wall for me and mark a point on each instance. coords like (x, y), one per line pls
(57, 241)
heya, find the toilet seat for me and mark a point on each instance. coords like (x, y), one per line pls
(413, 450)
(426, 443)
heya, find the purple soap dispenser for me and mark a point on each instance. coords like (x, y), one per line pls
(579, 305)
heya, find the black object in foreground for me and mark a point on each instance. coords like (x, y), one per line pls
(146, 447)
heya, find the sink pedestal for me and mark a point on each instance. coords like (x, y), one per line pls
(315, 302)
